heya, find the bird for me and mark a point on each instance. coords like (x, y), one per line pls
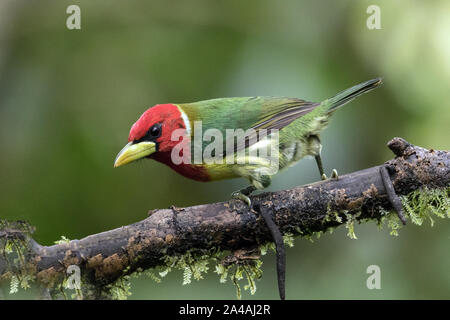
(169, 133)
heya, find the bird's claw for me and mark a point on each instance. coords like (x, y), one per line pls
(240, 196)
(334, 174)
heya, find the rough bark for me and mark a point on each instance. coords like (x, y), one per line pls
(231, 226)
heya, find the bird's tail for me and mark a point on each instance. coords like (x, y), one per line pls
(348, 95)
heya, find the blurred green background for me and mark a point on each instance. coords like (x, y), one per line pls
(68, 99)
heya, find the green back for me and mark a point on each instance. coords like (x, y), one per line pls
(247, 112)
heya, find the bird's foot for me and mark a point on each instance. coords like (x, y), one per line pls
(243, 195)
(240, 196)
(334, 175)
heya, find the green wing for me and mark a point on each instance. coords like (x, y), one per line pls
(282, 112)
(248, 112)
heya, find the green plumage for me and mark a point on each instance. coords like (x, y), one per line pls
(299, 123)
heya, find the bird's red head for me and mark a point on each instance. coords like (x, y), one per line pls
(152, 133)
(157, 124)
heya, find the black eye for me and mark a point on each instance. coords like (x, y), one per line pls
(155, 131)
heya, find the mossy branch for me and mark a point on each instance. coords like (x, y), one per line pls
(187, 237)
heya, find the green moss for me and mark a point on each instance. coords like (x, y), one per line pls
(193, 265)
(64, 288)
(350, 225)
(332, 216)
(266, 247)
(394, 224)
(150, 274)
(14, 249)
(14, 284)
(121, 289)
(288, 239)
(251, 271)
(62, 240)
(427, 204)
(420, 205)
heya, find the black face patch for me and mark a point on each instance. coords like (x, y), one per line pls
(152, 134)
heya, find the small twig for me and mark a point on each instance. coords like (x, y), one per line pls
(393, 197)
(279, 246)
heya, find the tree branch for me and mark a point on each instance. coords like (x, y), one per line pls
(229, 225)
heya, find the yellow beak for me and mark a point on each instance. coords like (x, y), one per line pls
(132, 152)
